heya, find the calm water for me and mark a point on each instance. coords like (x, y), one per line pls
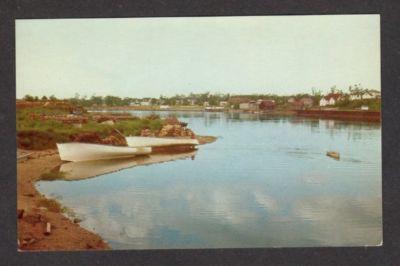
(266, 182)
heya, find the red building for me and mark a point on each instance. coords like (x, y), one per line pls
(266, 105)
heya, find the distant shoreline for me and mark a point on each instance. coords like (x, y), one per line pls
(345, 115)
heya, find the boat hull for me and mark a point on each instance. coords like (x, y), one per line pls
(77, 152)
(159, 142)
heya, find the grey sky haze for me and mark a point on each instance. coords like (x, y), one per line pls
(147, 57)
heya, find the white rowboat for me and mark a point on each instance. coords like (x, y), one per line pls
(159, 142)
(77, 152)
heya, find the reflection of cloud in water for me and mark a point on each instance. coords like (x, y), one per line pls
(266, 201)
(136, 218)
(338, 221)
(315, 178)
(228, 217)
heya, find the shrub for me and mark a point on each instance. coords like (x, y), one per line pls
(50, 176)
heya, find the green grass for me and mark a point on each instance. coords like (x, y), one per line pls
(50, 176)
(38, 134)
(373, 104)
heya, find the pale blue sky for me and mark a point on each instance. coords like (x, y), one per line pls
(142, 57)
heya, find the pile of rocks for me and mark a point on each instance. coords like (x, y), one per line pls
(172, 128)
(114, 139)
(146, 133)
(176, 131)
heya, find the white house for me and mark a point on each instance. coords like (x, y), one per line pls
(368, 94)
(223, 103)
(330, 99)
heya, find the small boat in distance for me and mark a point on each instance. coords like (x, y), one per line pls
(333, 154)
(77, 152)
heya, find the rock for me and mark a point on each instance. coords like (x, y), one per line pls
(114, 140)
(77, 220)
(146, 133)
(20, 213)
(29, 195)
(171, 121)
(175, 131)
(88, 246)
(87, 138)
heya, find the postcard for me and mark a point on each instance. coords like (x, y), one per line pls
(198, 132)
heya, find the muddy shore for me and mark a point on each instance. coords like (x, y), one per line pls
(65, 233)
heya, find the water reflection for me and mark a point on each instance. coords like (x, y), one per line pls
(86, 169)
(266, 182)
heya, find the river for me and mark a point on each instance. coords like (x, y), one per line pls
(265, 182)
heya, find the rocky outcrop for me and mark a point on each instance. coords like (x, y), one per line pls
(147, 133)
(176, 130)
(113, 139)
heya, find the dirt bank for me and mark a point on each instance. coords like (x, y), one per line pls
(38, 211)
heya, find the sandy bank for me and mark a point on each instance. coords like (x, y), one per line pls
(65, 235)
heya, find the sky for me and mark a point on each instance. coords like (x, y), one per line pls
(149, 57)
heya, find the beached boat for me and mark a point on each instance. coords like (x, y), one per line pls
(77, 152)
(159, 142)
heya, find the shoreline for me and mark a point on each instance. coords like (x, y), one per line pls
(333, 114)
(66, 234)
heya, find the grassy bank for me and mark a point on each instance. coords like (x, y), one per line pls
(36, 128)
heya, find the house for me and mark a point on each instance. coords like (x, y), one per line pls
(238, 100)
(330, 99)
(253, 105)
(145, 103)
(307, 101)
(367, 94)
(223, 103)
(291, 100)
(244, 106)
(249, 106)
(371, 94)
(297, 105)
(205, 104)
(192, 101)
(300, 104)
(164, 107)
(266, 105)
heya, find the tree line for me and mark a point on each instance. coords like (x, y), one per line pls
(212, 99)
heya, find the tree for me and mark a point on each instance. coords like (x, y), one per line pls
(44, 98)
(28, 98)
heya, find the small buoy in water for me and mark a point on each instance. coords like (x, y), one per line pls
(333, 154)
